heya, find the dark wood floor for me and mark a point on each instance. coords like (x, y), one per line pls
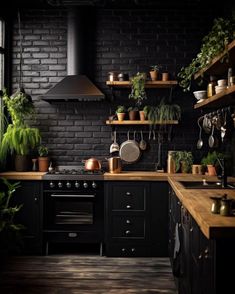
(72, 274)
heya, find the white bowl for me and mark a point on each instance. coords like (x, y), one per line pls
(200, 94)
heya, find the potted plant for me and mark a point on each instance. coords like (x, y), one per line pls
(19, 139)
(138, 92)
(209, 162)
(43, 159)
(215, 42)
(10, 237)
(167, 112)
(121, 112)
(154, 70)
(183, 161)
(133, 112)
(143, 113)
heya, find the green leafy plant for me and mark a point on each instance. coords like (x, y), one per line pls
(168, 111)
(9, 230)
(155, 67)
(138, 92)
(43, 151)
(121, 109)
(183, 160)
(215, 42)
(211, 158)
(18, 138)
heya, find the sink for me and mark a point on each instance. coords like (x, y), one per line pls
(205, 185)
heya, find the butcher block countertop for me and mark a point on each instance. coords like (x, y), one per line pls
(136, 176)
(198, 203)
(13, 175)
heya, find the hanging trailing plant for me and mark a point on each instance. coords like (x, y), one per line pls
(138, 88)
(221, 34)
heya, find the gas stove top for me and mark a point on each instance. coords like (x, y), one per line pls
(73, 173)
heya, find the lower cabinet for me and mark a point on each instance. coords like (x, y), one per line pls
(204, 266)
(136, 218)
(30, 215)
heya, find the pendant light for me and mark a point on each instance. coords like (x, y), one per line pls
(20, 90)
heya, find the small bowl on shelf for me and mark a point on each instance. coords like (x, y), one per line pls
(200, 95)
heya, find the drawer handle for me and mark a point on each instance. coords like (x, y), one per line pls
(128, 193)
(132, 249)
(72, 235)
(123, 249)
(128, 222)
(128, 206)
(127, 232)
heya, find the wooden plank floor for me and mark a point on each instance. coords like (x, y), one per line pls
(72, 274)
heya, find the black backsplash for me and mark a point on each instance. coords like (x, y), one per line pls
(122, 40)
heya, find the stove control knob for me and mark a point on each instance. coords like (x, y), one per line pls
(52, 185)
(85, 185)
(60, 185)
(77, 185)
(94, 185)
(68, 185)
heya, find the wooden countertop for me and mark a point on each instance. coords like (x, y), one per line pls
(198, 203)
(136, 176)
(13, 175)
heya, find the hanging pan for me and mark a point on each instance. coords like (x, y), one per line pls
(129, 150)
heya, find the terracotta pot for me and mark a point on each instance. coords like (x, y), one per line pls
(121, 116)
(132, 114)
(165, 76)
(153, 75)
(43, 164)
(142, 115)
(211, 170)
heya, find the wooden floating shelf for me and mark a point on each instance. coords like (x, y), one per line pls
(216, 67)
(219, 99)
(148, 84)
(140, 122)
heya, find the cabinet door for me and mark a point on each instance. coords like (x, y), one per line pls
(29, 194)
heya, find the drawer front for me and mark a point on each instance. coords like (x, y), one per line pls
(127, 250)
(129, 197)
(128, 227)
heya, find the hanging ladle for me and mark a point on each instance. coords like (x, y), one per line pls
(142, 143)
(199, 142)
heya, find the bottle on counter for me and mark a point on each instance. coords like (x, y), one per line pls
(170, 163)
(211, 86)
(230, 74)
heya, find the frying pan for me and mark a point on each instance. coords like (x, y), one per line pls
(129, 150)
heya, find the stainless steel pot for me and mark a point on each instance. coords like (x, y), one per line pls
(92, 164)
(115, 165)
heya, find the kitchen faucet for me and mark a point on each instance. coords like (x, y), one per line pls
(223, 176)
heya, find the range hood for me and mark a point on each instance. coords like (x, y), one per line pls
(76, 86)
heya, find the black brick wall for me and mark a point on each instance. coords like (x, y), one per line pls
(127, 40)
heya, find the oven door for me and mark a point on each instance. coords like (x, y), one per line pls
(63, 210)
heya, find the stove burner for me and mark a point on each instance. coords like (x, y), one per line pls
(76, 172)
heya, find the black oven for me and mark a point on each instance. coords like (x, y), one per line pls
(73, 212)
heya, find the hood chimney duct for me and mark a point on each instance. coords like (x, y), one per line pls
(75, 42)
(76, 86)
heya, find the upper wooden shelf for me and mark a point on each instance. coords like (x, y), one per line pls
(217, 67)
(148, 84)
(224, 98)
(140, 122)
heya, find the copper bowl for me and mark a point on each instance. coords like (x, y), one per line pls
(92, 164)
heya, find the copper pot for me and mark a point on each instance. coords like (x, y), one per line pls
(92, 164)
(115, 165)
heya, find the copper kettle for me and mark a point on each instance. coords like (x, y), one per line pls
(115, 165)
(92, 164)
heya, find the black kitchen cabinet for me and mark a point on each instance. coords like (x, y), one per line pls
(135, 218)
(30, 215)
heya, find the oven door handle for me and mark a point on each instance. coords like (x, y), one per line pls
(73, 195)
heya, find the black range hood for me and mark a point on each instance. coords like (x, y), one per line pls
(76, 86)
